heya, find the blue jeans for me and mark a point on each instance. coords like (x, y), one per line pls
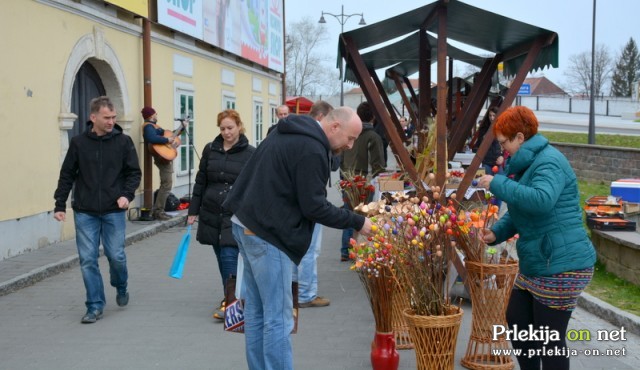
(347, 234)
(90, 230)
(268, 310)
(306, 274)
(227, 257)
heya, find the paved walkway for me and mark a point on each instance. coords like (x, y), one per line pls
(168, 323)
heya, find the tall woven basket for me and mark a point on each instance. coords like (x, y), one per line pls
(398, 322)
(434, 338)
(490, 288)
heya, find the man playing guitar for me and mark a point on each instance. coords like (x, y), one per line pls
(162, 146)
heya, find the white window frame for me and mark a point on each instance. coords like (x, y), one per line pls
(228, 100)
(274, 114)
(186, 155)
(258, 121)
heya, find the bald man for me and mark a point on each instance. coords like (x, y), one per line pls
(276, 201)
(281, 112)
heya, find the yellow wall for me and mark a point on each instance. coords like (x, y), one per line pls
(37, 46)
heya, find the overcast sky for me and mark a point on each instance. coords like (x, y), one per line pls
(616, 21)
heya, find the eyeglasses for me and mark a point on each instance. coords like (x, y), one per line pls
(501, 142)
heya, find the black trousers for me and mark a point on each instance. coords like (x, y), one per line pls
(525, 310)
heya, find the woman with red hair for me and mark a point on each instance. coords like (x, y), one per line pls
(556, 255)
(221, 163)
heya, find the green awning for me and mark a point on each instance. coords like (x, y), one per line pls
(404, 55)
(466, 24)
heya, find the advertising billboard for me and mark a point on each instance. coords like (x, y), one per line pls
(182, 15)
(252, 29)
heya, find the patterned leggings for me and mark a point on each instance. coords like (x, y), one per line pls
(525, 310)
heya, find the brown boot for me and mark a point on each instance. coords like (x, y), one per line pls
(161, 216)
(317, 302)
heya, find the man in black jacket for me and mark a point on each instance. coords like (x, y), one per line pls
(103, 165)
(276, 200)
(307, 271)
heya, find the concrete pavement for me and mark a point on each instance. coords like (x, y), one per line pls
(168, 323)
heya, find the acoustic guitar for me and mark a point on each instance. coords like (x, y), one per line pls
(168, 151)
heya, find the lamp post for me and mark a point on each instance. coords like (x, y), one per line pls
(342, 19)
(592, 111)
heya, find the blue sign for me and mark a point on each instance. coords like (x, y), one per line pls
(525, 89)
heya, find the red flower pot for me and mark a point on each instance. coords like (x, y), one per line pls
(383, 352)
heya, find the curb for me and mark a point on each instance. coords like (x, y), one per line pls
(610, 313)
(41, 273)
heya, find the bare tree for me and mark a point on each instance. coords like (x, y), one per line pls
(308, 71)
(579, 71)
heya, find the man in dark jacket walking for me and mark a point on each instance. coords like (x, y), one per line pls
(276, 200)
(103, 165)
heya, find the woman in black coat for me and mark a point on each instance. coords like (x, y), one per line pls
(221, 163)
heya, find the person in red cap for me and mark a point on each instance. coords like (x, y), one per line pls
(154, 134)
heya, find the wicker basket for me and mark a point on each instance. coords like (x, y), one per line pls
(490, 288)
(400, 328)
(434, 338)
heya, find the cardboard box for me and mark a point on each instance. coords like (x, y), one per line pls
(627, 189)
(390, 185)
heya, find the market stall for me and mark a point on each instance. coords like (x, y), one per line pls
(520, 47)
(420, 233)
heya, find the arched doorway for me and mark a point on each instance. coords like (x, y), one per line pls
(87, 85)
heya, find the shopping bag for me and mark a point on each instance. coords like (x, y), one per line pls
(234, 308)
(239, 274)
(181, 255)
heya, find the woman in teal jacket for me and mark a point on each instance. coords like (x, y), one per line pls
(556, 255)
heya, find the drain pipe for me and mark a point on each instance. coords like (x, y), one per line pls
(146, 71)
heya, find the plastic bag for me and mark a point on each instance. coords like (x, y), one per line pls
(180, 258)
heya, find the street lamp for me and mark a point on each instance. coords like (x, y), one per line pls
(342, 19)
(592, 110)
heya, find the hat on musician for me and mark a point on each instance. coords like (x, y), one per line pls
(147, 112)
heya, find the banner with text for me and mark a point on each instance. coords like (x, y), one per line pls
(252, 29)
(182, 15)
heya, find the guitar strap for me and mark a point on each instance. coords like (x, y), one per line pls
(150, 148)
(150, 123)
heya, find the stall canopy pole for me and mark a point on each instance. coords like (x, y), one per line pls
(441, 118)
